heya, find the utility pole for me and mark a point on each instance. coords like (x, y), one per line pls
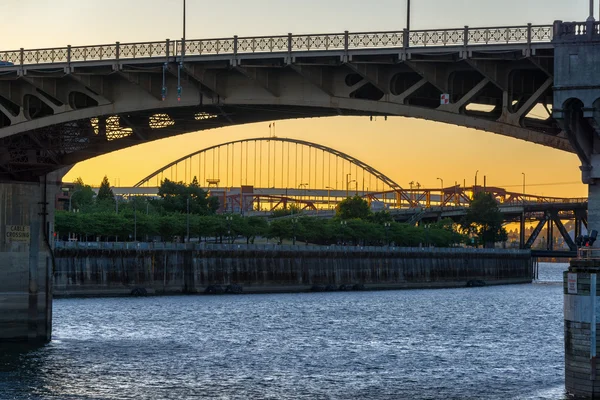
(134, 221)
(188, 218)
(408, 15)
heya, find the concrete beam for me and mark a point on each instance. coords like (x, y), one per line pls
(496, 71)
(266, 77)
(319, 76)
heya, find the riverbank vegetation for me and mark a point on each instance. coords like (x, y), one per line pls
(186, 211)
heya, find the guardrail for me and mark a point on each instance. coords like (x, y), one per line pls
(269, 247)
(588, 253)
(235, 45)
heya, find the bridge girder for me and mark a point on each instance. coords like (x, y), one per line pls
(70, 105)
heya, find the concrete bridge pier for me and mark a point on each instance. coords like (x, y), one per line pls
(26, 261)
(576, 104)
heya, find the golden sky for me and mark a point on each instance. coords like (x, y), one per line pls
(404, 149)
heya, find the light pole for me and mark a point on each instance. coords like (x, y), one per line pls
(328, 196)
(188, 218)
(476, 177)
(523, 173)
(184, 21)
(408, 15)
(387, 229)
(71, 197)
(348, 184)
(229, 218)
(442, 197)
(294, 220)
(134, 221)
(591, 17)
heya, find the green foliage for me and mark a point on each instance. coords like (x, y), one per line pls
(484, 220)
(291, 209)
(353, 208)
(178, 197)
(82, 196)
(105, 192)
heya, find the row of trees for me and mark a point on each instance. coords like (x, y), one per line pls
(186, 211)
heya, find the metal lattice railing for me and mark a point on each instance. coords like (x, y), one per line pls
(345, 41)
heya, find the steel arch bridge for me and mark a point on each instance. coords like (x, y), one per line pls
(63, 105)
(307, 172)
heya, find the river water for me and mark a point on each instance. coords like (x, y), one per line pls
(501, 342)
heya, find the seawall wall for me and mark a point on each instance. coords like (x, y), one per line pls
(263, 268)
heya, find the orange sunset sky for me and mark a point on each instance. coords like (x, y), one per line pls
(404, 149)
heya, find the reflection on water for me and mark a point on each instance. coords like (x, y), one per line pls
(476, 343)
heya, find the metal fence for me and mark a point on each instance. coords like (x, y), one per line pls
(143, 246)
(344, 41)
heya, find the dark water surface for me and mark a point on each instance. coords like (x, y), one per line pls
(477, 343)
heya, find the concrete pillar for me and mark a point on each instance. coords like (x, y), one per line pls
(581, 308)
(577, 102)
(26, 267)
(594, 208)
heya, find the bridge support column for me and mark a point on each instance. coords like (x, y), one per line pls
(26, 264)
(576, 103)
(582, 329)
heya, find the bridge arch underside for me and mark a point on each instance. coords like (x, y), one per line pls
(52, 118)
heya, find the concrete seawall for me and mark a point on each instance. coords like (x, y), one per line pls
(262, 269)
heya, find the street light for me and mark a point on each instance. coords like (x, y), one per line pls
(442, 194)
(348, 183)
(523, 173)
(229, 218)
(71, 195)
(408, 15)
(294, 220)
(328, 196)
(476, 177)
(135, 221)
(387, 229)
(188, 218)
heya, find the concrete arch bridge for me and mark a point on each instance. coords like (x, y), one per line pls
(60, 106)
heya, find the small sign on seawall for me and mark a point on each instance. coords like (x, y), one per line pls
(17, 233)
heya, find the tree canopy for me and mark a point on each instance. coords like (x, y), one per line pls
(105, 192)
(484, 221)
(353, 208)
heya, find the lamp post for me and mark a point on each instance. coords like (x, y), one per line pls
(294, 220)
(408, 15)
(348, 181)
(328, 196)
(71, 197)
(523, 173)
(387, 229)
(184, 20)
(135, 221)
(476, 178)
(343, 225)
(229, 218)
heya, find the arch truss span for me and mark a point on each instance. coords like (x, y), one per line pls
(281, 166)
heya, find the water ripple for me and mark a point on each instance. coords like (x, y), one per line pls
(477, 343)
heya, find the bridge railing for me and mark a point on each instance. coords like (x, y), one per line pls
(588, 253)
(343, 41)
